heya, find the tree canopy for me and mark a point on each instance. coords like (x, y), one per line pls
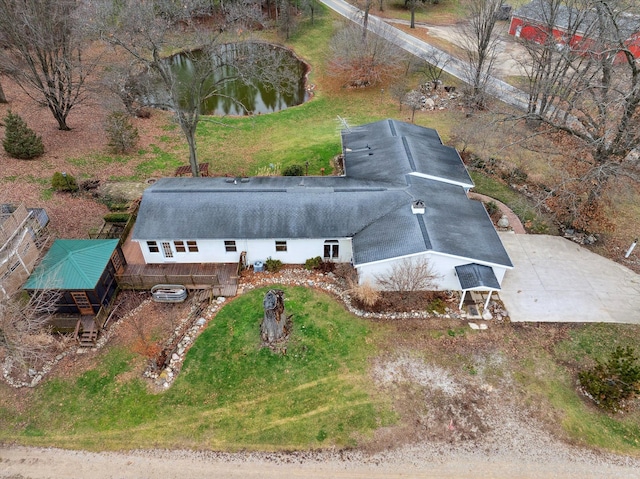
(43, 52)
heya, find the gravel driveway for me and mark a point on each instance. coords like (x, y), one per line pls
(416, 461)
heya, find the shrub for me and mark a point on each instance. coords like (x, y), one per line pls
(409, 275)
(20, 141)
(366, 294)
(116, 217)
(64, 182)
(437, 305)
(611, 383)
(115, 202)
(313, 263)
(491, 207)
(515, 175)
(272, 265)
(326, 266)
(319, 264)
(346, 272)
(293, 170)
(122, 135)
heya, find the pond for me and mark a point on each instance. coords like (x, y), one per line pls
(240, 79)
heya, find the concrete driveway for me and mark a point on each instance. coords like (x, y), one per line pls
(556, 280)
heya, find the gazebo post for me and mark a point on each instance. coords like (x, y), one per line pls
(486, 303)
(464, 293)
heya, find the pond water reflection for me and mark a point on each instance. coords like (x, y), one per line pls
(242, 78)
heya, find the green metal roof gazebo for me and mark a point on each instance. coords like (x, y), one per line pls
(72, 264)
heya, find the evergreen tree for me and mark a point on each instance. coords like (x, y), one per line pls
(612, 383)
(20, 141)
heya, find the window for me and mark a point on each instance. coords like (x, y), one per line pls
(116, 260)
(153, 246)
(192, 246)
(281, 246)
(331, 249)
(230, 246)
(166, 249)
(179, 245)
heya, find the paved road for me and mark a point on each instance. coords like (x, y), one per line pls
(453, 66)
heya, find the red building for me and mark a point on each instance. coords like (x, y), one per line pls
(536, 22)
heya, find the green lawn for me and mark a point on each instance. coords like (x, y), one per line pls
(231, 394)
(306, 133)
(549, 379)
(521, 206)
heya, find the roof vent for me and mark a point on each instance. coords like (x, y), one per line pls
(418, 207)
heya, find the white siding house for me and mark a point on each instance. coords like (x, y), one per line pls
(403, 195)
(442, 266)
(293, 251)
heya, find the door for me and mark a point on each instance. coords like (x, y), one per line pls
(82, 302)
(166, 249)
(331, 250)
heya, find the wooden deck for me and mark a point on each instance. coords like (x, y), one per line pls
(221, 278)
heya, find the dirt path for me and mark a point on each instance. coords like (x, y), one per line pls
(416, 461)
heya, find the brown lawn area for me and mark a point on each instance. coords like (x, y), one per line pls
(28, 181)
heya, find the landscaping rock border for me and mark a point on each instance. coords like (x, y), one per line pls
(192, 325)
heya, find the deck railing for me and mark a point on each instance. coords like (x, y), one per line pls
(146, 280)
(222, 278)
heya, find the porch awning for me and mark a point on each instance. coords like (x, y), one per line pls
(477, 276)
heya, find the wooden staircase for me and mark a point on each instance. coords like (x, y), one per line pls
(86, 332)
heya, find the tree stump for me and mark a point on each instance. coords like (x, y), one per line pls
(276, 325)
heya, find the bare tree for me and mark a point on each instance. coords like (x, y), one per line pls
(480, 42)
(409, 275)
(286, 17)
(547, 61)
(433, 66)
(413, 5)
(144, 34)
(413, 99)
(43, 53)
(364, 61)
(365, 18)
(310, 6)
(3, 98)
(24, 337)
(588, 86)
(399, 90)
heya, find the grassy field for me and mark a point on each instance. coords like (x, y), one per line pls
(231, 394)
(549, 375)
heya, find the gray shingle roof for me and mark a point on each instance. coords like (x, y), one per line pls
(476, 276)
(371, 204)
(397, 233)
(387, 150)
(209, 208)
